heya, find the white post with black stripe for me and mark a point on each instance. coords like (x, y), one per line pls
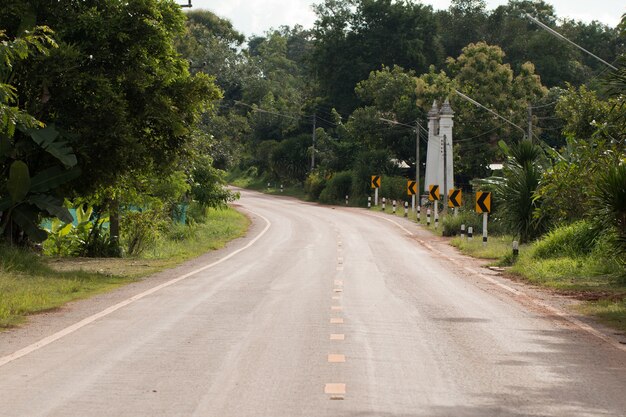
(394, 206)
(406, 209)
(428, 217)
(462, 231)
(485, 218)
(436, 214)
(470, 233)
(369, 202)
(419, 213)
(346, 200)
(384, 201)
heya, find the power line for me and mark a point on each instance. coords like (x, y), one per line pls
(558, 35)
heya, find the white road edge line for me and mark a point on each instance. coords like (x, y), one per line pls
(394, 222)
(557, 312)
(71, 329)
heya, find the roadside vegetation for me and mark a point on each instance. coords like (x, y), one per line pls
(31, 283)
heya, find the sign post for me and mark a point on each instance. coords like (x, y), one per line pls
(375, 183)
(483, 205)
(411, 189)
(433, 195)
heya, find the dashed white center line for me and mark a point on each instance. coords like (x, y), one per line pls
(335, 388)
(336, 358)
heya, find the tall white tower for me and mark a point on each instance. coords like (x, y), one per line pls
(440, 125)
(433, 152)
(446, 114)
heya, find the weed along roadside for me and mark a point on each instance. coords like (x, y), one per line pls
(32, 283)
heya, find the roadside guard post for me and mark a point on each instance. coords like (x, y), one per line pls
(394, 206)
(346, 200)
(384, 201)
(483, 205)
(375, 184)
(369, 201)
(411, 189)
(406, 209)
(433, 195)
(455, 200)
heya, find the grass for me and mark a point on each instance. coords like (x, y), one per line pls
(609, 312)
(498, 248)
(31, 284)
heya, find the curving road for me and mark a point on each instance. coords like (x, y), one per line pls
(319, 312)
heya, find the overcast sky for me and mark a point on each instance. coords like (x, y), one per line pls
(256, 16)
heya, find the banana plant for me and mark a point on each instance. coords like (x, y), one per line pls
(31, 196)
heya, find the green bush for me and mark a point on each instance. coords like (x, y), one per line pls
(394, 188)
(610, 200)
(337, 187)
(577, 239)
(451, 224)
(140, 230)
(314, 185)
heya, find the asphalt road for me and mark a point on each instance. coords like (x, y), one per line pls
(320, 312)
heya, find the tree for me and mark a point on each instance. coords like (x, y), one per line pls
(34, 161)
(463, 23)
(115, 83)
(355, 37)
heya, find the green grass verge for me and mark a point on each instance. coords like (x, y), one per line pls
(30, 284)
(498, 248)
(611, 313)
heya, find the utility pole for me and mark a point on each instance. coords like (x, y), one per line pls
(416, 197)
(444, 151)
(530, 123)
(313, 147)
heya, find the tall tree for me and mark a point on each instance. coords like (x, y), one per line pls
(115, 83)
(354, 37)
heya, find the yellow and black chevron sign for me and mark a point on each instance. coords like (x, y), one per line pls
(375, 181)
(411, 187)
(433, 192)
(454, 198)
(483, 202)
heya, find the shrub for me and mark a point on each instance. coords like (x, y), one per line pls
(610, 200)
(337, 188)
(451, 224)
(140, 230)
(394, 188)
(314, 185)
(577, 239)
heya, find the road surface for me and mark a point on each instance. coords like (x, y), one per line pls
(319, 312)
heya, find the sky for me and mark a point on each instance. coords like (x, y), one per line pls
(256, 16)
